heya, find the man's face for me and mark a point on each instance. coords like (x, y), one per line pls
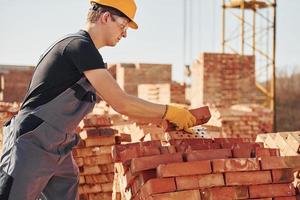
(118, 26)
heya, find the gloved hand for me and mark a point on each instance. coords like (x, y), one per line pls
(181, 117)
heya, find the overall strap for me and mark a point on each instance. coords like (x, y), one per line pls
(43, 56)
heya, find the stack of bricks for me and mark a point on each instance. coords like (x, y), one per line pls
(288, 144)
(241, 121)
(93, 157)
(7, 110)
(156, 93)
(139, 129)
(204, 169)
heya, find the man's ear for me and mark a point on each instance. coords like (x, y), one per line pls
(105, 17)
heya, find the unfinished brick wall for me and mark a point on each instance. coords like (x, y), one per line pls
(223, 80)
(129, 76)
(16, 82)
(156, 93)
(178, 93)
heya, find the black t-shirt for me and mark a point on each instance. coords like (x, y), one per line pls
(62, 67)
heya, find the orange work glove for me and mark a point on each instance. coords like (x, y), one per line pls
(181, 117)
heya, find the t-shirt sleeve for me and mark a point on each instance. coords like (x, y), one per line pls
(84, 55)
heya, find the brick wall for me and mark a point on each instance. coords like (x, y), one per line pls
(223, 80)
(156, 93)
(130, 75)
(16, 82)
(178, 93)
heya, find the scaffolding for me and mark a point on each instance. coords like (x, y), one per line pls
(251, 29)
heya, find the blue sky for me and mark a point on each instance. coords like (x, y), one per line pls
(28, 27)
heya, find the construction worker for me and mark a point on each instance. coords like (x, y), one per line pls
(37, 160)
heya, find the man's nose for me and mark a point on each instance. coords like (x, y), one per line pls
(124, 34)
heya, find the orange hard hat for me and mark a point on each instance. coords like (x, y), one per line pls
(128, 7)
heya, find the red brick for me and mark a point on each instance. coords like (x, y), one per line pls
(282, 175)
(248, 178)
(205, 146)
(95, 132)
(81, 180)
(98, 160)
(95, 188)
(100, 141)
(149, 151)
(229, 140)
(167, 149)
(190, 141)
(151, 162)
(117, 149)
(211, 180)
(184, 168)
(241, 145)
(187, 195)
(99, 178)
(262, 152)
(158, 185)
(266, 152)
(271, 190)
(235, 164)
(199, 181)
(102, 196)
(107, 168)
(208, 154)
(107, 187)
(128, 154)
(225, 193)
(285, 198)
(88, 170)
(95, 121)
(280, 162)
(124, 138)
(92, 151)
(187, 182)
(243, 152)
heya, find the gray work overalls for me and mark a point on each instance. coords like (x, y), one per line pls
(39, 159)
